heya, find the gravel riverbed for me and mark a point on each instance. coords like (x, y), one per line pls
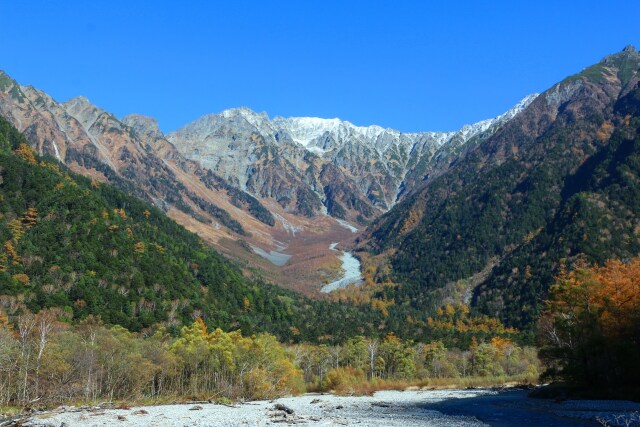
(480, 407)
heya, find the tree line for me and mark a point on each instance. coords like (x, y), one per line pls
(44, 358)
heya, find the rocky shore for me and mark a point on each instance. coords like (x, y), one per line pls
(448, 408)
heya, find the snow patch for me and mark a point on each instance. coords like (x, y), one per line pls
(469, 131)
(346, 225)
(55, 148)
(309, 131)
(274, 257)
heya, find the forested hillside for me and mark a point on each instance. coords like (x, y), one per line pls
(556, 182)
(86, 247)
(598, 219)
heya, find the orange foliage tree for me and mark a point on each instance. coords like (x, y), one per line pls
(30, 218)
(590, 330)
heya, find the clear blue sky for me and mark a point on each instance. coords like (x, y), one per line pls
(410, 65)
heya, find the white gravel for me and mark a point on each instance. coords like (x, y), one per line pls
(351, 272)
(449, 408)
(385, 408)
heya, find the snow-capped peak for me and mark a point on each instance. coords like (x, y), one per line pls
(322, 136)
(304, 130)
(307, 130)
(255, 119)
(469, 131)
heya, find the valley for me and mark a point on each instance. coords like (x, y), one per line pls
(274, 194)
(247, 184)
(249, 257)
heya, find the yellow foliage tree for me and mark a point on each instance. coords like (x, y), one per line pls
(26, 153)
(11, 253)
(21, 278)
(15, 226)
(4, 320)
(138, 248)
(121, 213)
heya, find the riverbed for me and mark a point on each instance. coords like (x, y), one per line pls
(449, 408)
(350, 271)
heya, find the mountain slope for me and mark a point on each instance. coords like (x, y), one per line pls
(93, 142)
(89, 249)
(599, 218)
(133, 155)
(246, 184)
(471, 224)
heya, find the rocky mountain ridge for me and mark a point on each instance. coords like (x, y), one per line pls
(132, 154)
(355, 172)
(482, 214)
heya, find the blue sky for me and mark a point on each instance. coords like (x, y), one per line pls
(410, 65)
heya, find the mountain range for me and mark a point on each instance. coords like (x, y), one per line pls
(87, 250)
(309, 165)
(245, 183)
(485, 215)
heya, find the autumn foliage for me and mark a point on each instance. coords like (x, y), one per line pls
(26, 153)
(45, 359)
(590, 331)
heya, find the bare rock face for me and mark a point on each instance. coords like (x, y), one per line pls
(143, 125)
(131, 154)
(310, 164)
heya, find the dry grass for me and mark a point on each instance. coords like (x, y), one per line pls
(370, 387)
(9, 411)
